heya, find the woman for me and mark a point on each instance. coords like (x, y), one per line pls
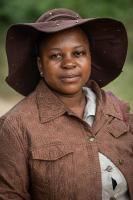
(67, 139)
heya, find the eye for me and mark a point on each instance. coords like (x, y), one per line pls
(56, 56)
(79, 53)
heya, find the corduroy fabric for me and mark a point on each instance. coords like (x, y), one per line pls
(46, 151)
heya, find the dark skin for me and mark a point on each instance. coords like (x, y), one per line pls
(65, 61)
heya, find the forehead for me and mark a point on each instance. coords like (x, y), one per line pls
(70, 36)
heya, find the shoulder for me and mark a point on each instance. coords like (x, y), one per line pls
(121, 106)
(22, 111)
(13, 125)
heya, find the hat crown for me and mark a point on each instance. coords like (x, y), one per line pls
(58, 14)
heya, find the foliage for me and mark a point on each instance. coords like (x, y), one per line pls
(20, 11)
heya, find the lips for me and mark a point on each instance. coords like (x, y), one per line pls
(69, 78)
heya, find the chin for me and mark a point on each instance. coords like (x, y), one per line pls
(70, 91)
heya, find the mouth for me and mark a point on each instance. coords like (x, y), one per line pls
(71, 78)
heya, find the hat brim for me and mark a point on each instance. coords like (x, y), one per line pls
(108, 50)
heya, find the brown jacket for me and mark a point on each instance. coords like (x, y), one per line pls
(46, 151)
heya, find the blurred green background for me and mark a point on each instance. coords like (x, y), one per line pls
(18, 11)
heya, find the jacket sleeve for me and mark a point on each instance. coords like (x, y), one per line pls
(14, 182)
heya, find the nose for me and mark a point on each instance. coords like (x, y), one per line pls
(68, 63)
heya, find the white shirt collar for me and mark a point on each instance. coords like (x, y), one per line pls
(90, 109)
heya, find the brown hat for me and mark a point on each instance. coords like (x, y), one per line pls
(108, 47)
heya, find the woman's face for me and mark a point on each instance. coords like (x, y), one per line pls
(65, 61)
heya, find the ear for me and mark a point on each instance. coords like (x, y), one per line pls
(39, 64)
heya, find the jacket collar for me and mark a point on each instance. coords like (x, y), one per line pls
(107, 103)
(113, 106)
(51, 107)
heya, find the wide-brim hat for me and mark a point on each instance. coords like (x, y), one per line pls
(108, 47)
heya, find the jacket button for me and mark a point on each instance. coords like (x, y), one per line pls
(91, 139)
(112, 198)
(120, 161)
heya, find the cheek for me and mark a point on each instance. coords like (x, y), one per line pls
(50, 75)
(46, 67)
(87, 70)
